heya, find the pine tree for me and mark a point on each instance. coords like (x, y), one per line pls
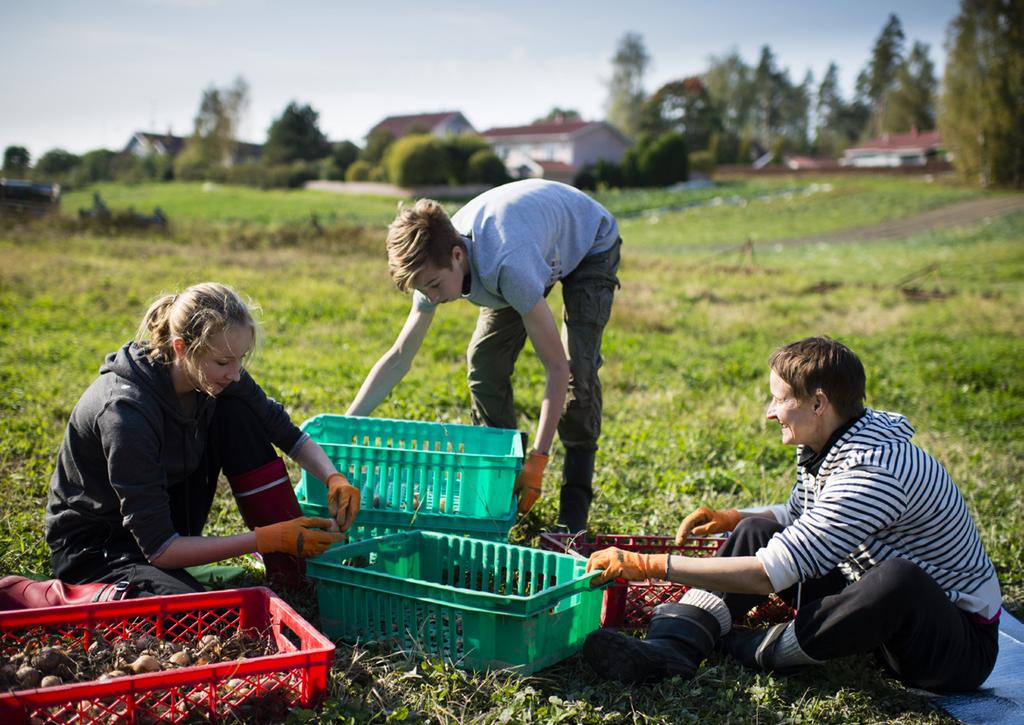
(875, 81)
(910, 103)
(982, 119)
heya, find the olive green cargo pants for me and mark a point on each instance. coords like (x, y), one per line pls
(587, 294)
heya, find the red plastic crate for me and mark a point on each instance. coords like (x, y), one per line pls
(241, 689)
(629, 605)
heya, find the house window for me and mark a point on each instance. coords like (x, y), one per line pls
(549, 151)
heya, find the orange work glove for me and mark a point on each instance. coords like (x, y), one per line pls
(706, 521)
(342, 500)
(529, 481)
(619, 564)
(300, 537)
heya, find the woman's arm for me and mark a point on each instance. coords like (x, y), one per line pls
(735, 574)
(314, 460)
(195, 550)
(394, 364)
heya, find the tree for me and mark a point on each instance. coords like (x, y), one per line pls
(910, 102)
(730, 85)
(683, 106)
(982, 120)
(55, 162)
(295, 136)
(876, 80)
(625, 89)
(17, 159)
(838, 124)
(769, 89)
(559, 114)
(215, 128)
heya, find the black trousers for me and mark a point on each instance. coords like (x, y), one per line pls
(236, 443)
(895, 611)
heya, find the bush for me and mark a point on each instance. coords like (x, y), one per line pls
(137, 169)
(417, 160)
(484, 167)
(342, 156)
(585, 178)
(191, 165)
(96, 165)
(358, 171)
(607, 175)
(461, 148)
(665, 160)
(702, 162)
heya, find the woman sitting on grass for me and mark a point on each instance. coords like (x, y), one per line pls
(138, 468)
(875, 548)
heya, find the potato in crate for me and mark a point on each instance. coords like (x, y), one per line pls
(249, 657)
(629, 605)
(477, 604)
(411, 474)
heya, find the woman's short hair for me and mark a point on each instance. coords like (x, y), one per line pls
(420, 235)
(821, 363)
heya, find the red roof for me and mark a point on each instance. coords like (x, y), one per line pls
(401, 125)
(890, 141)
(545, 128)
(555, 166)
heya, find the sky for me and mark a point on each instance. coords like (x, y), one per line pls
(87, 74)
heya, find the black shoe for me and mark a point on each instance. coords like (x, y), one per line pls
(577, 489)
(616, 656)
(765, 649)
(678, 640)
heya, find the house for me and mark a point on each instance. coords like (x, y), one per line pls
(557, 149)
(440, 124)
(895, 149)
(144, 144)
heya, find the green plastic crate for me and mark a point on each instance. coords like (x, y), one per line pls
(411, 474)
(396, 523)
(478, 604)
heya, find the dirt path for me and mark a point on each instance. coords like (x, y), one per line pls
(965, 212)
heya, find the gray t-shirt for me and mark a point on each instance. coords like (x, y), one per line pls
(523, 237)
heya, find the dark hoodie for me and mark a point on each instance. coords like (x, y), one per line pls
(132, 474)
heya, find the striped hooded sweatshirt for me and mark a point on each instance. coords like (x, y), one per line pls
(877, 496)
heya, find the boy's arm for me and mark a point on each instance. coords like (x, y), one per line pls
(543, 333)
(394, 364)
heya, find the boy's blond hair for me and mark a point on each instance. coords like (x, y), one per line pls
(420, 235)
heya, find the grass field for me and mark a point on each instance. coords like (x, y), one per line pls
(685, 387)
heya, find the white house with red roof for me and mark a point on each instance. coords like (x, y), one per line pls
(895, 149)
(440, 124)
(556, 149)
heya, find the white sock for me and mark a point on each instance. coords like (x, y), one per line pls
(712, 604)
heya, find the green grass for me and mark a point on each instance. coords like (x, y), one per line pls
(685, 385)
(225, 203)
(757, 212)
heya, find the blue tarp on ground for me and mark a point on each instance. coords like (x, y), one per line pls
(1000, 701)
